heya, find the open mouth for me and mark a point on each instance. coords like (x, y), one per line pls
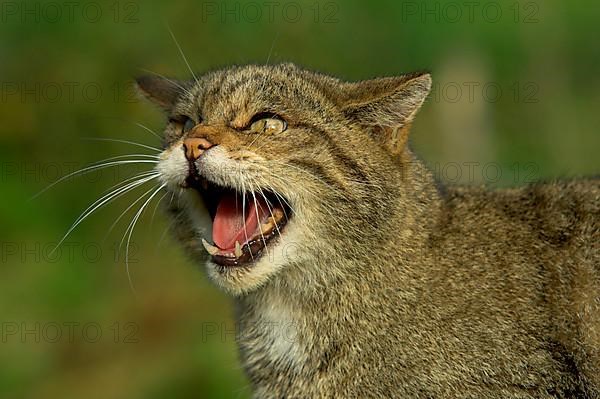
(243, 223)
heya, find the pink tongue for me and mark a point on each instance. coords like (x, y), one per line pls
(229, 222)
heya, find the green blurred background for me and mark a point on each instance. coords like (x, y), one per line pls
(516, 98)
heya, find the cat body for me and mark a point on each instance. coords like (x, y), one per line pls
(477, 307)
(379, 281)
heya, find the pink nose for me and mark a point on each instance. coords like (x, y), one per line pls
(194, 147)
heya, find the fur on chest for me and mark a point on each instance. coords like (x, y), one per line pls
(273, 336)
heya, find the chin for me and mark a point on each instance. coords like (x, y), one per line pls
(281, 253)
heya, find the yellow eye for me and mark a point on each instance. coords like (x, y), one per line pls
(269, 125)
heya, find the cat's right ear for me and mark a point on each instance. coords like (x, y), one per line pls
(161, 91)
(386, 107)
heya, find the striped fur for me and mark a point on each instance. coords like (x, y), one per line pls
(385, 283)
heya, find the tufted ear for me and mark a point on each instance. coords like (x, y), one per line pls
(161, 91)
(385, 107)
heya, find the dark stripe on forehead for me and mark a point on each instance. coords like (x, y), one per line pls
(237, 79)
(240, 89)
(209, 93)
(276, 84)
(230, 87)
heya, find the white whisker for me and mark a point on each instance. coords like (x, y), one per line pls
(92, 168)
(244, 212)
(183, 55)
(112, 226)
(152, 156)
(272, 46)
(170, 80)
(152, 132)
(99, 203)
(122, 141)
(156, 208)
(105, 199)
(164, 234)
(129, 179)
(140, 198)
(256, 205)
(271, 210)
(133, 223)
(280, 197)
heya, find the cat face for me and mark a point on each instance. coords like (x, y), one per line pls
(291, 168)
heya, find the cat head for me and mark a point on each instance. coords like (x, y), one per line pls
(294, 169)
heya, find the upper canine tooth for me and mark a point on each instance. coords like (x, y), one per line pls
(238, 249)
(267, 227)
(277, 214)
(212, 250)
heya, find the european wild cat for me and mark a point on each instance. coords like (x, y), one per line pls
(354, 272)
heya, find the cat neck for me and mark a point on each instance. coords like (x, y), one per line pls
(294, 319)
(402, 241)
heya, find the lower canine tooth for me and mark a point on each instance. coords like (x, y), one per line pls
(212, 250)
(238, 249)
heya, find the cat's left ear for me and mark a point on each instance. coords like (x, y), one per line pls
(386, 106)
(161, 91)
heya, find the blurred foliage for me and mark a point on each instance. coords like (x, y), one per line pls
(66, 77)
